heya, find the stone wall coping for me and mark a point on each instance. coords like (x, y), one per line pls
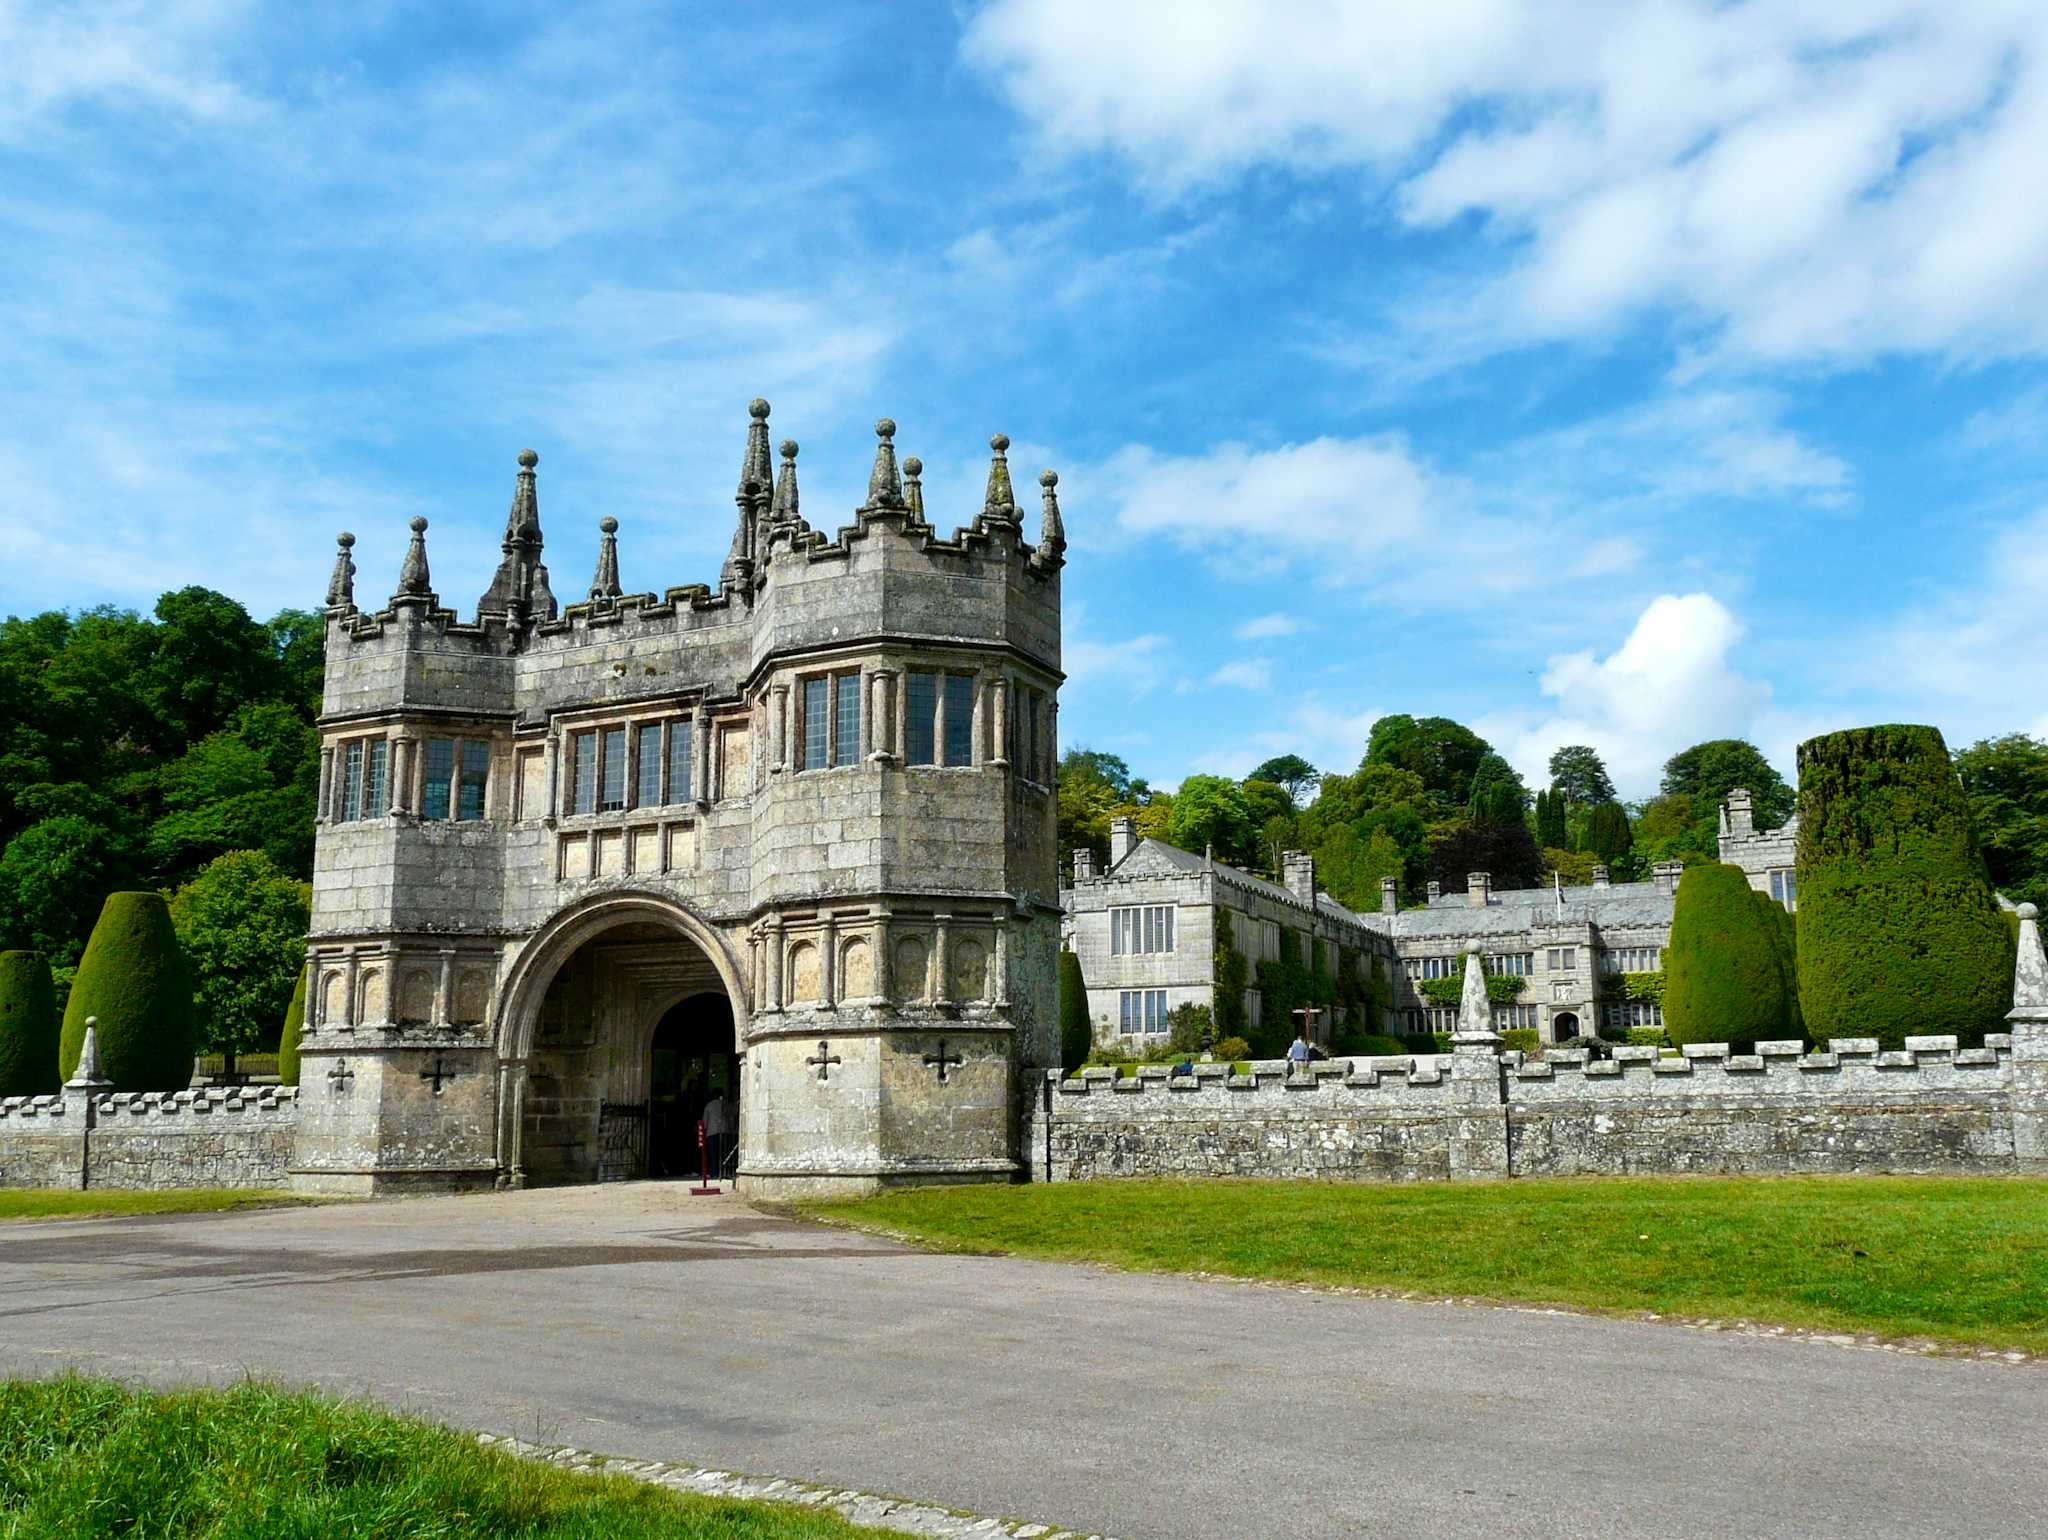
(32, 1106)
(1707, 1064)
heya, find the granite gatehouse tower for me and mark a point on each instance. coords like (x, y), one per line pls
(796, 831)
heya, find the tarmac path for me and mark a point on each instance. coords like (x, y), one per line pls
(637, 1320)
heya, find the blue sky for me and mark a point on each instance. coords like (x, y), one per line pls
(1619, 373)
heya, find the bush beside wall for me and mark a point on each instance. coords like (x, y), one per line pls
(133, 978)
(28, 1026)
(1724, 973)
(1898, 931)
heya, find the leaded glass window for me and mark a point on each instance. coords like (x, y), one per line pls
(817, 721)
(476, 776)
(614, 769)
(846, 720)
(440, 761)
(921, 719)
(583, 774)
(679, 760)
(959, 719)
(647, 760)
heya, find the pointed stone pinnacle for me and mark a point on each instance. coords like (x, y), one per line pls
(604, 587)
(885, 488)
(341, 587)
(1052, 531)
(414, 581)
(1000, 503)
(1475, 1010)
(88, 1073)
(785, 509)
(913, 487)
(2030, 971)
(756, 467)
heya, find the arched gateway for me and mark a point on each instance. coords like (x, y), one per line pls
(784, 849)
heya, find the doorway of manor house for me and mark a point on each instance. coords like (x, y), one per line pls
(1564, 1027)
(693, 1077)
(632, 1041)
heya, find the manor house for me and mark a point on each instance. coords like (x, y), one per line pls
(1144, 930)
(776, 857)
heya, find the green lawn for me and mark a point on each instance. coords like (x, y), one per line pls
(36, 1203)
(83, 1458)
(1956, 1260)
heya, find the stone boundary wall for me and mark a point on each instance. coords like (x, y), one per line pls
(1477, 1112)
(232, 1137)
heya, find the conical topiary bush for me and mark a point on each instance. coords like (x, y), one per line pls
(294, 1029)
(1899, 933)
(1724, 972)
(28, 1026)
(133, 978)
(1076, 1035)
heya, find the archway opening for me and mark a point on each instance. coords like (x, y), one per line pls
(1564, 1027)
(591, 1109)
(693, 1077)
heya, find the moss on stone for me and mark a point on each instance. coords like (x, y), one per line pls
(28, 1026)
(1898, 930)
(1724, 972)
(133, 979)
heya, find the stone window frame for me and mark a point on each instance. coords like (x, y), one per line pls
(1562, 959)
(568, 735)
(1138, 1004)
(1146, 923)
(1619, 1015)
(1784, 884)
(836, 752)
(1518, 965)
(1616, 960)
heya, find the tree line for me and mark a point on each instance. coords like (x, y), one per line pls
(1431, 800)
(172, 752)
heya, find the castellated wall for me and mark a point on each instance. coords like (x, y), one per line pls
(1932, 1108)
(149, 1141)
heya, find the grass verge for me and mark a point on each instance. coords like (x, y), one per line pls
(36, 1203)
(83, 1458)
(1953, 1260)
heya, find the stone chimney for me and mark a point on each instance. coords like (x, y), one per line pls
(1390, 895)
(1084, 864)
(1478, 889)
(1298, 872)
(1666, 874)
(1436, 890)
(1738, 815)
(1123, 839)
(1600, 877)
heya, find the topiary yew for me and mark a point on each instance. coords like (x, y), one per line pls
(133, 978)
(1724, 972)
(28, 1026)
(1077, 1036)
(1899, 933)
(295, 1028)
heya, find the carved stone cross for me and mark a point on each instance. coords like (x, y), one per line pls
(942, 1060)
(825, 1059)
(340, 1077)
(438, 1073)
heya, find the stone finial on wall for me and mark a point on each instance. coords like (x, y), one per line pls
(87, 1076)
(341, 587)
(999, 503)
(1475, 1010)
(885, 485)
(414, 581)
(2028, 1019)
(604, 586)
(1052, 530)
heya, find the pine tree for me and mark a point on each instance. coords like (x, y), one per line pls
(1898, 930)
(1724, 972)
(28, 1026)
(133, 978)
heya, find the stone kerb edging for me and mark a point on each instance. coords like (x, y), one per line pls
(868, 1508)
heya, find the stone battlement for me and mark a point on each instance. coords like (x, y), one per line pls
(206, 1137)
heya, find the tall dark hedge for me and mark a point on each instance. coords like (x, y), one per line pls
(1607, 832)
(1550, 826)
(1724, 972)
(1077, 1035)
(133, 978)
(28, 1026)
(295, 1026)
(1898, 930)
(1785, 936)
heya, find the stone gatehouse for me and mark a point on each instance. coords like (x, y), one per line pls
(779, 854)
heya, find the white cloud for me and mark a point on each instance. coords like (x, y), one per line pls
(1799, 182)
(1669, 684)
(1133, 664)
(1245, 674)
(143, 53)
(1262, 627)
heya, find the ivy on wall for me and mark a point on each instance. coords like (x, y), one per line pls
(1634, 986)
(1232, 974)
(1501, 989)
